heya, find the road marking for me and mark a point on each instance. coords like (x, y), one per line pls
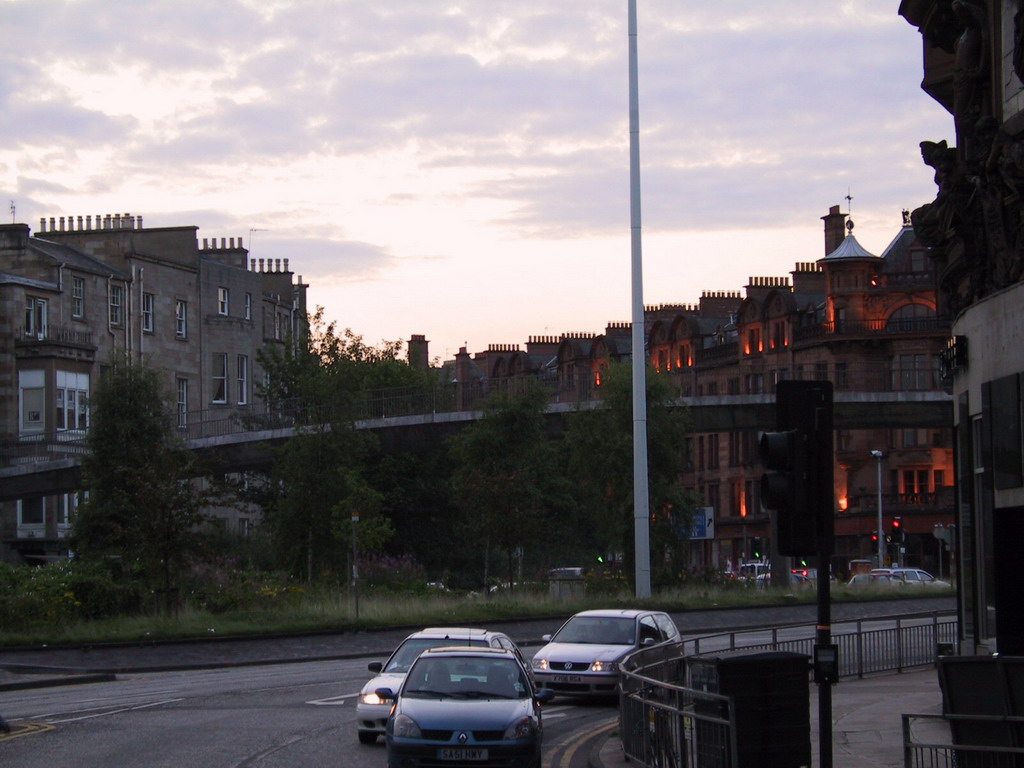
(117, 711)
(569, 750)
(24, 728)
(333, 701)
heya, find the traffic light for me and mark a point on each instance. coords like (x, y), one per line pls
(897, 530)
(874, 537)
(797, 459)
(783, 490)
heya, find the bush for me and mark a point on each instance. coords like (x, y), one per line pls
(222, 586)
(62, 592)
(392, 574)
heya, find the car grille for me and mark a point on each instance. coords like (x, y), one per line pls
(478, 736)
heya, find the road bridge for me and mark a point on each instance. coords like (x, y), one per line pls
(54, 467)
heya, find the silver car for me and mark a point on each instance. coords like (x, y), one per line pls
(582, 657)
(372, 711)
(468, 706)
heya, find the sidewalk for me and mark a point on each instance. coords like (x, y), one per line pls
(867, 728)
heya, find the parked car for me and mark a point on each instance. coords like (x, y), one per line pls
(465, 705)
(915, 577)
(582, 657)
(874, 579)
(372, 711)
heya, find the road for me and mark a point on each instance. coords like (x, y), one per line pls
(268, 716)
(290, 714)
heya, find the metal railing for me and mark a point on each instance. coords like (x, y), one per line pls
(929, 741)
(665, 723)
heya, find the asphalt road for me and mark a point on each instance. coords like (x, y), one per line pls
(230, 702)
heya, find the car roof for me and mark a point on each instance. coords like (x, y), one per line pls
(450, 633)
(617, 613)
(467, 650)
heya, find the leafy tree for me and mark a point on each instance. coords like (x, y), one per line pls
(143, 510)
(318, 481)
(503, 475)
(599, 446)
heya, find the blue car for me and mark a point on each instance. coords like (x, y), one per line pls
(465, 706)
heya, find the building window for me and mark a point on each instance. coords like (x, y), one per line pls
(713, 451)
(243, 380)
(911, 372)
(116, 304)
(30, 514)
(147, 313)
(72, 395)
(35, 317)
(77, 297)
(67, 505)
(181, 319)
(32, 394)
(248, 306)
(182, 403)
(222, 301)
(220, 377)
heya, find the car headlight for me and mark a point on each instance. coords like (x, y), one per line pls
(406, 728)
(372, 698)
(540, 664)
(523, 728)
(604, 666)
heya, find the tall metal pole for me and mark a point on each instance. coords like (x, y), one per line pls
(641, 501)
(881, 530)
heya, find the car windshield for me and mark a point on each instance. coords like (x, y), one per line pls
(467, 677)
(407, 652)
(598, 630)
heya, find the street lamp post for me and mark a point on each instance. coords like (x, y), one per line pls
(881, 530)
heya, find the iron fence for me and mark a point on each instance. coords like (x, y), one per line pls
(664, 722)
(929, 741)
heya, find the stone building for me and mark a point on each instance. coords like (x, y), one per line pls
(867, 323)
(85, 290)
(974, 67)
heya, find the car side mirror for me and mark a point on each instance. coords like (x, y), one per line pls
(647, 641)
(544, 695)
(385, 693)
(546, 638)
(375, 666)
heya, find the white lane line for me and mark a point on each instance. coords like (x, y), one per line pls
(117, 711)
(332, 701)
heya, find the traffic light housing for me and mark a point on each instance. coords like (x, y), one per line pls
(897, 530)
(797, 459)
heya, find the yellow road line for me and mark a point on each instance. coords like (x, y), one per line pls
(569, 751)
(25, 729)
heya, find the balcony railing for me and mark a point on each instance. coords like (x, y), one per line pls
(871, 328)
(61, 334)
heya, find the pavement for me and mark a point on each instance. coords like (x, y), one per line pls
(866, 713)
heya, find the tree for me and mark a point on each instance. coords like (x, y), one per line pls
(503, 474)
(318, 481)
(599, 447)
(143, 510)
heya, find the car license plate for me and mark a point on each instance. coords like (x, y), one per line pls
(568, 679)
(462, 754)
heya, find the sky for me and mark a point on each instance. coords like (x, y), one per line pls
(460, 168)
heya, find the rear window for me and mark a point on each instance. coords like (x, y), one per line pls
(407, 652)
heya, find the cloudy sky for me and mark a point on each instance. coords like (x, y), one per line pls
(460, 168)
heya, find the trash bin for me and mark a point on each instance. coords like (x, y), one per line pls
(770, 693)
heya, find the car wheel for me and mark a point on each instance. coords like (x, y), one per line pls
(367, 737)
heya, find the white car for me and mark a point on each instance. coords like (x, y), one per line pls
(582, 657)
(915, 577)
(372, 711)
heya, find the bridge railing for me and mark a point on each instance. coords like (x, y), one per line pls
(665, 721)
(455, 396)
